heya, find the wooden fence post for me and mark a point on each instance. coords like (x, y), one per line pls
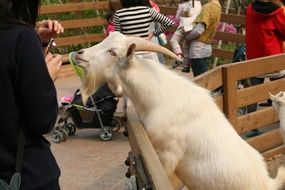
(230, 95)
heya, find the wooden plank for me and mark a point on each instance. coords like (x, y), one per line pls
(260, 92)
(74, 7)
(256, 119)
(167, 10)
(255, 67)
(140, 144)
(222, 53)
(273, 152)
(266, 141)
(79, 23)
(230, 37)
(211, 79)
(230, 96)
(65, 41)
(233, 19)
(115, 5)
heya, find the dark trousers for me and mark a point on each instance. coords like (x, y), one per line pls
(255, 81)
(199, 66)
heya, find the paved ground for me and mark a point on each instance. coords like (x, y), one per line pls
(87, 162)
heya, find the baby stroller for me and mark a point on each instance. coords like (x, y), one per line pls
(75, 115)
(97, 113)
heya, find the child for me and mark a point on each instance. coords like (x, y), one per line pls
(110, 19)
(187, 12)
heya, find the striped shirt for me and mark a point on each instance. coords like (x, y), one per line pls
(136, 21)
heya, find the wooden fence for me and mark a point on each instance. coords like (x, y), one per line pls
(89, 30)
(269, 144)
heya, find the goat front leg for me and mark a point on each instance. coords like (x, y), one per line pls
(169, 162)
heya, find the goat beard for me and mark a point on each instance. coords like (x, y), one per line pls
(90, 83)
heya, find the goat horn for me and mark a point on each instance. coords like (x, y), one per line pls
(145, 45)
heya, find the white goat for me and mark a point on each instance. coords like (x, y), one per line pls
(278, 102)
(190, 134)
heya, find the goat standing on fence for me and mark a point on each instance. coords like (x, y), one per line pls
(191, 136)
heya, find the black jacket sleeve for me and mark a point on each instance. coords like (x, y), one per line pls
(36, 90)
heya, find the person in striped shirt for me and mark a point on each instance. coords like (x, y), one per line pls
(135, 18)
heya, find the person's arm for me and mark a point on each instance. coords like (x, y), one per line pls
(178, 12)
(280, 24)
(54, 63)
(36, 92)
(117, 23)
(197, 31)
(165, 22)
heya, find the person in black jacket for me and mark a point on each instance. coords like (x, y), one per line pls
(27, 94)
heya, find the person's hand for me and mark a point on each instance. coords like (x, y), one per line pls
(186, 14)
(54, 63)
(48, 29)
(149, 37)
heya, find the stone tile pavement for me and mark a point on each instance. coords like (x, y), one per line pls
(87, 162)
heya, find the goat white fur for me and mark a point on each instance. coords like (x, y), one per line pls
(190, 134)
(278, 102)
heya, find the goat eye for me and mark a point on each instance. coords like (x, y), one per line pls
(112, 52)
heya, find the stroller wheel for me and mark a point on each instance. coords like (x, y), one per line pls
(71, 128)
(116, 124)
(64, 133)
(56, 136)
(106, 133)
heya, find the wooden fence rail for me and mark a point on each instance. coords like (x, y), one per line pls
(270, 143)
(85, 36)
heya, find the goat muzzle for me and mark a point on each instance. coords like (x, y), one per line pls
(73, 59)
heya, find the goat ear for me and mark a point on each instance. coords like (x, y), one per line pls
(131, 51)
(272, 97)
(278, 98)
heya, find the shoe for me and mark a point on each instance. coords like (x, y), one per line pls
(176, 64)
(266, 104)
(253, 133)
(186, 69)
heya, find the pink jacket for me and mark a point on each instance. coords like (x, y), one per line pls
(110, 28)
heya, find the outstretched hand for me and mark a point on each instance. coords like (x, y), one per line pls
(48, 29)
(149, 37)
(54, 63)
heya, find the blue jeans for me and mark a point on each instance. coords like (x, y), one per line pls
(199, 65)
